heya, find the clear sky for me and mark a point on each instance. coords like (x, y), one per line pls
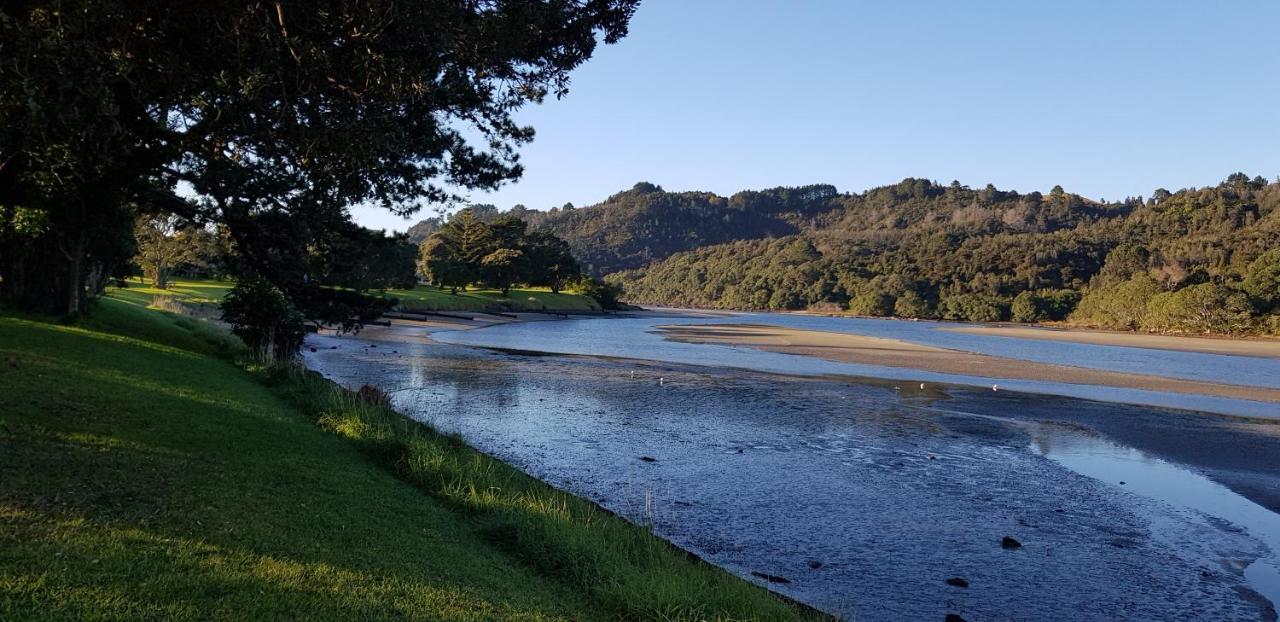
(1106, 98)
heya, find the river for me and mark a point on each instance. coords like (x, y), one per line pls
(868, 495)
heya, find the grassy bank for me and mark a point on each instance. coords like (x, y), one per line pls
(207, 292)
(146, 476)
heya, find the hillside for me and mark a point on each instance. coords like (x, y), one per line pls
(633, 228)
(918, 249)
(922, 249)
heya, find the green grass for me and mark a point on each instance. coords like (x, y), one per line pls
(209, 292)
(192, 291)
(427, 297)
(147, 477)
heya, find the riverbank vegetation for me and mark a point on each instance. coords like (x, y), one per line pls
(153, 472)
(926, 250)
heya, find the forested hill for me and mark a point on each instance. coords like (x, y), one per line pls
(633, 228)
(1189, 261)
(637, 227)
(922, 249)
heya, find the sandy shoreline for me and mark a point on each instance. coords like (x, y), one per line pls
(1263, 348)
(865, 350)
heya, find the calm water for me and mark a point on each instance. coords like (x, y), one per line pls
(865, 497)
(638, 338)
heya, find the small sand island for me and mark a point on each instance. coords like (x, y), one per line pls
(864, 350)
(1257, 347)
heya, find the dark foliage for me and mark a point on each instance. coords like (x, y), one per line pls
(263, 318)
(279, 115)
(474, 246)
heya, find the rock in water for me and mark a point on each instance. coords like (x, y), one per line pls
(957, 582)
(954, 617)
(771, 578)
(814, 564)
(648, 458)
(1010, 543)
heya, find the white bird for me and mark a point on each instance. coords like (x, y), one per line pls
(995, 387)
(921, 385)
(661, 381)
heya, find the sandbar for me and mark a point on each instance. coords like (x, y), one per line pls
(865, 350)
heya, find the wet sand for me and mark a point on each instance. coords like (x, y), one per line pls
(1260, 347)
(866, 350)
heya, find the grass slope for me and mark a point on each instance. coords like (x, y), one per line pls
(207, 292)
(147, 477)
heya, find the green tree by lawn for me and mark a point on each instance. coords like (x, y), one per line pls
(275, 115)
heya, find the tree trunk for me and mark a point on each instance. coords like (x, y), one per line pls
(75, 265)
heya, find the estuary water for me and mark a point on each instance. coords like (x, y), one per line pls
(638, 338)
(865, 497)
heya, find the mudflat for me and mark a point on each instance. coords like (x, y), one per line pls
(1260, 347)
(865, 350)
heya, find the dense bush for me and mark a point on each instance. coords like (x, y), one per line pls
(1262, 280)
(1043, 305)
(974, 308)
(263, 318)
(606, 294)
(1121, 306)
(1203, 308)
(873, 303)
(912, 305)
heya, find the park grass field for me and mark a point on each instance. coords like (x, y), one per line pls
(149, 476)
(427, 297)
(424, 297)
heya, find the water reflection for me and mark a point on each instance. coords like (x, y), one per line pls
(1169, 483)
(867, 498)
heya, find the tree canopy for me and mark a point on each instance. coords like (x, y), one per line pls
(279, 115)
(497, 252)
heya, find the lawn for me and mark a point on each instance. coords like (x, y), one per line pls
(427, 297)
(148, 477)
(194, 292)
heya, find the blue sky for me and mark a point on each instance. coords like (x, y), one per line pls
(1108, 99)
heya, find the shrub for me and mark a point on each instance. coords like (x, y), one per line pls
(875, 303)
(263, 318)
(1043, 305)
(1207, 307)
(1262, 280)
(1027, 307)
(974, 308)
(606, 294)
(1122, 305)
(912, 304)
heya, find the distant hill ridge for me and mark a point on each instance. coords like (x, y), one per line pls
(917, 240)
